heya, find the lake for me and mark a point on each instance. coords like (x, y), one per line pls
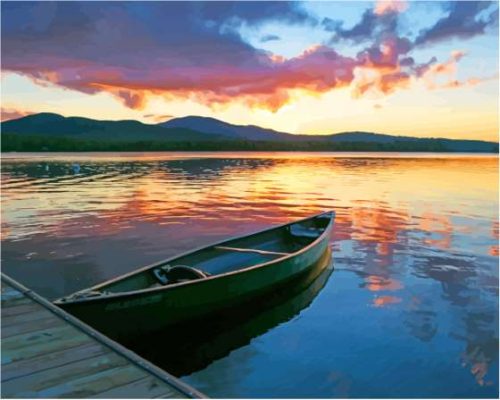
(407, 308)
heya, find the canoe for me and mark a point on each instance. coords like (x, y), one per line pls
(230, 329)
(204, 281)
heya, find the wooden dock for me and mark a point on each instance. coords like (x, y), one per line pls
(47, 353)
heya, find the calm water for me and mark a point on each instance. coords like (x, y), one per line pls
(410, 309)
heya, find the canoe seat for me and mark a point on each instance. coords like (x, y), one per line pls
(299, 231)
(168, 274)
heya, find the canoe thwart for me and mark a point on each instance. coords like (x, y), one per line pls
(244, 250)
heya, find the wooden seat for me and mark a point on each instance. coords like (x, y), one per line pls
(244, 250)
(300, 231)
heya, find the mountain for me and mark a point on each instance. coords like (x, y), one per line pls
(366, 137)
(405, 142)
(53, 131)
(212, 126)
(48, 124)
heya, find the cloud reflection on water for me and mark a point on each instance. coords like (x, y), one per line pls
(420, 234)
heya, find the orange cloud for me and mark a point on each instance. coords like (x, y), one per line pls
(167, 51)
(468, 82)
(382, 301)
(378, 80)
(377, 283)
(386, 6)
(158, 118)
(265, 82)
(8, 114)
(435, 73)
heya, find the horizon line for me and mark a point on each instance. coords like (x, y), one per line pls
(248, 125)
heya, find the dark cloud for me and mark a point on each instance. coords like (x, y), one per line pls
(181, 49)
(253, 13)
(269, 38)
(422, 68)
(389, 53)
(465, 19)
(370, 26)
(331, 25)
(386, 51)
(192, 50)
(407, 62)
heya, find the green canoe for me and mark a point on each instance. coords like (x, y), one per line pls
(187, 348)
(203, 281)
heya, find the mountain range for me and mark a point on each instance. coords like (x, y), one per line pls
(195, 131)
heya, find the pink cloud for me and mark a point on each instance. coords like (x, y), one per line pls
(158, 117)
(9, 113)
(167, 49)
(265, 83)
(443, 75)
(386, 6)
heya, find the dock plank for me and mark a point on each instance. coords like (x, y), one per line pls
(10, 294)
(148, 387)
(89, 385)
(65, 337)
(40, 336)
(47, 353)
(51, 360)
(25, 327)
(18, 309)
(54, 377)
(35, 315)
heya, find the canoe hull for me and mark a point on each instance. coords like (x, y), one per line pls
(230, 329)
(148, 311)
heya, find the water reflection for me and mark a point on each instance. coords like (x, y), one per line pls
(188, 348)
(415, 247)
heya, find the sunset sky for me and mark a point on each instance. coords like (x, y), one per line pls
(409, 68)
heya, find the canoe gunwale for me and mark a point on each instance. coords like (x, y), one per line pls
(327, 231)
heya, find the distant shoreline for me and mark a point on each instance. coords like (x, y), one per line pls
(207, 154)
(53, 132)
(42, 143)
(3, 153)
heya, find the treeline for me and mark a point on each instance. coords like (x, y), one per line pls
(21, 143)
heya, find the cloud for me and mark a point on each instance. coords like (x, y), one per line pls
(443, 75)
(465, 19)
(9, 113)
(174, 49)
(252, 13)
(182, 49)
(370, 26)
(389, 6)
(379, 81)
(157, 118)
(387, 52)
(331, 25)
(192, 50)
(269, 38)
(386, 64)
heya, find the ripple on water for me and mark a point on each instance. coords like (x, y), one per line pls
(410, 310)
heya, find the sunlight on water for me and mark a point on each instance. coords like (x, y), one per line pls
(411, 309)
